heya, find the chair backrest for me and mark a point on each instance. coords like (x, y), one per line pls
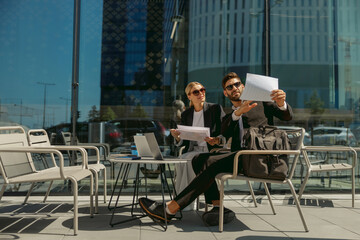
(14, 164)
(66, 137)
(67, 141)
(296, 137)
(52, 138)
(38, 138)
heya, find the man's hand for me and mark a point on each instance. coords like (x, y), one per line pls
(176, 134)
(279, 97)
(212, 140)
(244, 107)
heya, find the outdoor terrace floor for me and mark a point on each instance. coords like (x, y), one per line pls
(329, 216)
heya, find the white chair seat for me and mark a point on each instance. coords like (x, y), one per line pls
(52, 174)
(97, 166)
(331, 167)
(226, 176)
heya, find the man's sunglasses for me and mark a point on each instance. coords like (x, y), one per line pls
(197, 92)
(230, 87)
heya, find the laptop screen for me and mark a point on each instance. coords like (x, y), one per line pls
(154, 146)
(142, 146)
(148, 147)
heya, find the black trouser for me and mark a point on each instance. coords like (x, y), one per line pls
(206, 166)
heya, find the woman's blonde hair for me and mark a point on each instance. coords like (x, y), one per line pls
(188, 89)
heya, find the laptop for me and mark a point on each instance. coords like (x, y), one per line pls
(148, 147)
(143, 147)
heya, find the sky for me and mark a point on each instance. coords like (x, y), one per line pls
(36, 43)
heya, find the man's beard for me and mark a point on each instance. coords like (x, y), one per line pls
(234, 98)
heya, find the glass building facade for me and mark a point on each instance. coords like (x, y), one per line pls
(130, 60)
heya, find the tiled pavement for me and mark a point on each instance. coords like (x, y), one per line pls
(328, 217)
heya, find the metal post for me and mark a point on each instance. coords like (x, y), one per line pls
(75, 70)
(267, 38)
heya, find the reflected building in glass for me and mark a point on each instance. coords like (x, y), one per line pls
(137, 56)
(307, 53)
(135, 47)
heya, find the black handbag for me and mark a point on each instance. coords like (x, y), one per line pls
(266, 166)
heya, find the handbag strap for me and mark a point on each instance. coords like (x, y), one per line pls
(260, 142)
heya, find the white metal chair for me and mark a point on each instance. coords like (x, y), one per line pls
(17, 166)
(327, 166)
(104, 147)
(227, 148)
(296, 138)
(39, 138)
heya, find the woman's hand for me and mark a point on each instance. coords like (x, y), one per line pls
(212, 140)
(176, 134)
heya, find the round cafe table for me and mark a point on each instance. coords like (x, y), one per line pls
(125, 165)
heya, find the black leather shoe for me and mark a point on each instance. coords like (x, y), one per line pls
(154, 210)
(211, 218)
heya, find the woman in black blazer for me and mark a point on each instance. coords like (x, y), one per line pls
(200, 114)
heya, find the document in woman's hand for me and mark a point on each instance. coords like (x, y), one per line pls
(193, 133)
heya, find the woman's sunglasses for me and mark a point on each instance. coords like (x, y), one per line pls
(230, 87)
(197, 92)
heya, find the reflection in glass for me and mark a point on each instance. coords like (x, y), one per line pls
(136, 58)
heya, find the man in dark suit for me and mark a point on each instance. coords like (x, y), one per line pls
(207, 165)
(252, 114)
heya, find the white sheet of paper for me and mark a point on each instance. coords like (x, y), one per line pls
(193, 133)
(258, 87)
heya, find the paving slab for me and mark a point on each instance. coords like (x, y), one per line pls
(328, 217)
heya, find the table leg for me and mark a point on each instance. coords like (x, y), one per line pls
(124, 180)
(163, 178)
(123, 174)
(115, 185)
(136, 190)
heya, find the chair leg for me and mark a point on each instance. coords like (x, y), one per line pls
(221, 210)
(302, 187)
(105, 185)
(96, 192)
(252, 193)
(269, 197)
(353, 186)
(3, 190)
(75, 193)
(301, 168)
(29, 192)
(91, 196)
(47, 192)
(298, 205)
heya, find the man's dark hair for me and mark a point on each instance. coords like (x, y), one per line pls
(229, 76)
